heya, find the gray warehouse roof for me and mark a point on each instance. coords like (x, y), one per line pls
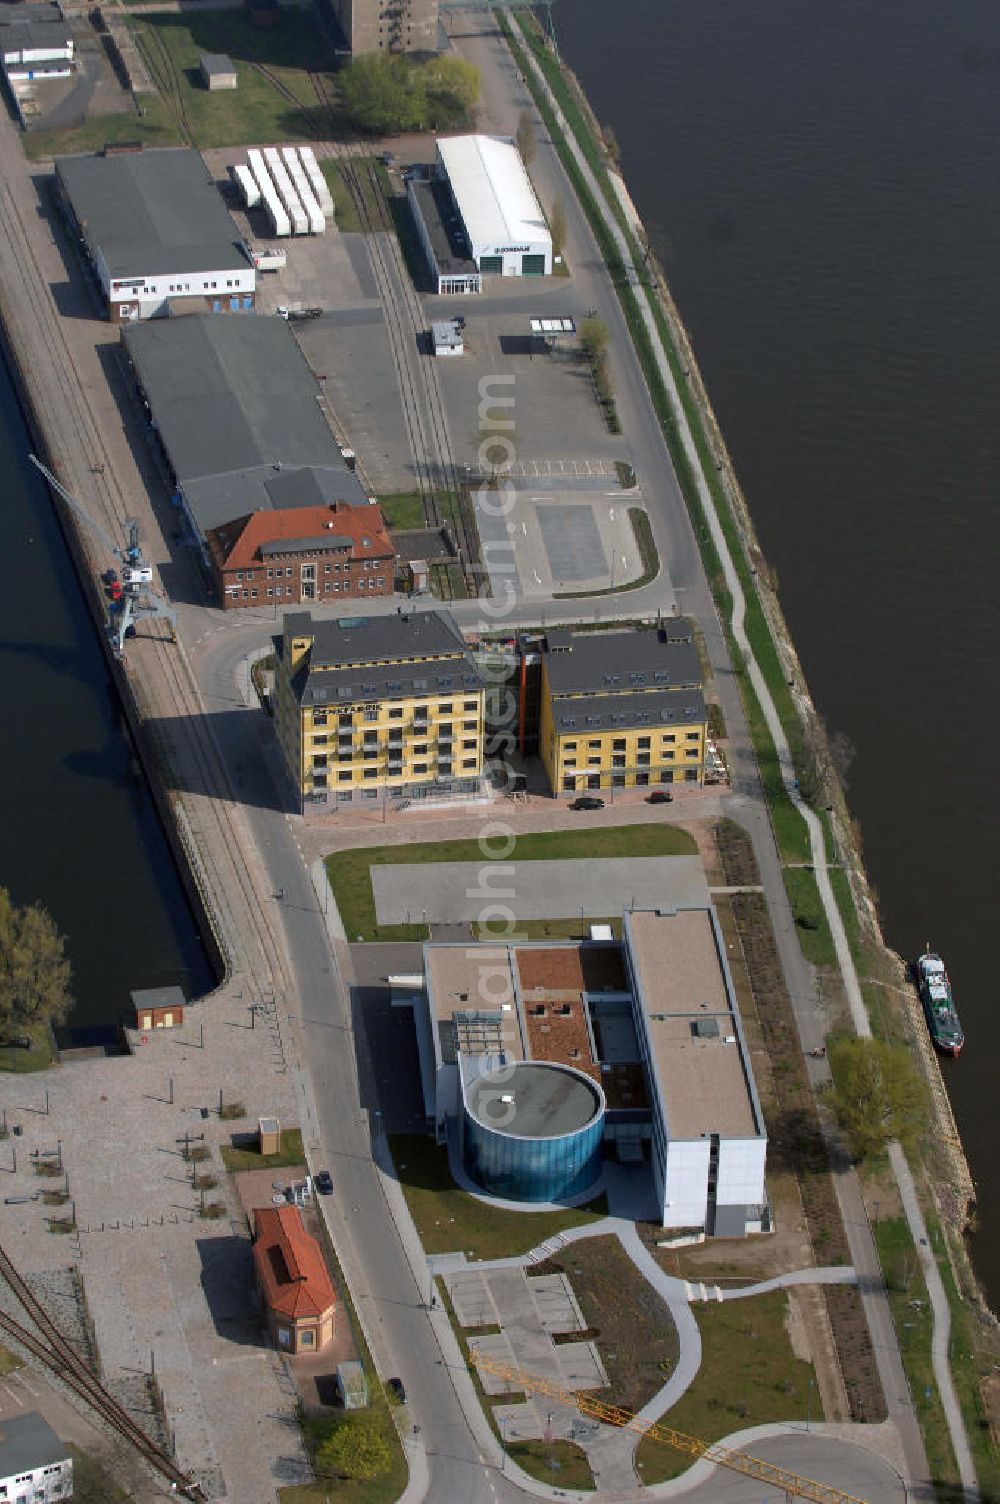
(152, 212)
(237, 411)
(35, 36)
(534, 1099)
(30, 14)
(27, 1442)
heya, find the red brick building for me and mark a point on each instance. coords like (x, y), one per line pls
(296, 1291)
(295, 555)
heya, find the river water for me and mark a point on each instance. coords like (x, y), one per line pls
(820, 183)
(78, 828)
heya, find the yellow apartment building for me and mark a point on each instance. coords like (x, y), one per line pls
(621, 709)
(364, 704)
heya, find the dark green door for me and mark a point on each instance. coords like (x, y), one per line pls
(532, 266)
(491, 263)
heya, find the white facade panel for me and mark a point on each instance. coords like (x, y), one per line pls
(684, 1180)
(740, 1177)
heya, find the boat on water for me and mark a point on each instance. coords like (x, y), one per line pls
(939, 1005)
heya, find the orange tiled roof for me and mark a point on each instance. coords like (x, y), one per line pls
(236, 545)
(290, 1266)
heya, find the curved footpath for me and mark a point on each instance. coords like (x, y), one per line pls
(852, 986)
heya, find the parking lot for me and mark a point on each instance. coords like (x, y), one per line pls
(557, 536)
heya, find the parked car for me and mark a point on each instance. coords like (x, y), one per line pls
(660, 796)
(324, 1183)
(397, 1390)
(587, 802)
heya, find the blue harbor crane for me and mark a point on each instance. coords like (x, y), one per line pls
(137, 600)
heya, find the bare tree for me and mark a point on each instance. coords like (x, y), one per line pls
(527, 143)
(557, 227)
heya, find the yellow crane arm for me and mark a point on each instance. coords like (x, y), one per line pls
(616, 1415)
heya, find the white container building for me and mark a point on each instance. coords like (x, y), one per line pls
(317, 181)
(314, 214)
(248, 189)
(279, 221)
(286, 192)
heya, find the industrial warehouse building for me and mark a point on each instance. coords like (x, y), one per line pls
(35, 41)
(237, 413)
(539, 1059)
(476, 213)
(367, 704)
(156, 233)
(621, 709)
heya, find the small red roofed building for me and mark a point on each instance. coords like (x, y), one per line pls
(296, 1291)
(294, 555)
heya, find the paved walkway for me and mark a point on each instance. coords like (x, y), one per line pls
(817, 841)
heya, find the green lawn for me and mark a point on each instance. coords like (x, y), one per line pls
(255, 112)
(560, 1463)
(450, 1220)
(9, 1361)
(811, 922)
(749, 1376)
(291, 1153)
(350, 871)
(403, 510)
(38, 1058)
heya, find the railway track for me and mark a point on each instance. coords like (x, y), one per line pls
(51, 1348)
(165, 76)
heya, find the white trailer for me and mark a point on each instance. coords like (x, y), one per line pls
(286, 192)
(249, 191)
(279, 221)
(314, 214)
(317, 181)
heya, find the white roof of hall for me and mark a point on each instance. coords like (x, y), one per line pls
(492, 190)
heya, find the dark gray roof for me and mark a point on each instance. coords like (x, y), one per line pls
(443, 226)
(357, 644)
(35, 36)
(622, 663)
(26, 1442)
(305, 545)
(158, 997)
(214, 63)
(548, 1100)
(237, 411)
(592, 713)
(152, 212)
(29, 14)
